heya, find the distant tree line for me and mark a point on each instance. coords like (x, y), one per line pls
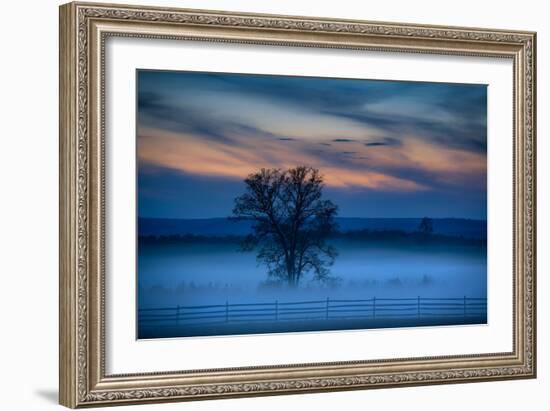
(353, 235)
(191, 238)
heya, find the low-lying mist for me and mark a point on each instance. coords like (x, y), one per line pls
(195, 273)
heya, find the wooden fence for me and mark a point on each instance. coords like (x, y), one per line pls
(327, 309)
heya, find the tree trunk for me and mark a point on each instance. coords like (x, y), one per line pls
(291, 270)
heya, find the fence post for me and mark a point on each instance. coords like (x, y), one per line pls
(276, 310)
(178, 315)
(418, 306)
(326, 311)
(374, 307)
(464, 308)
(226, 312)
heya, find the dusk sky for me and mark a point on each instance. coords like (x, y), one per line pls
(385, 148)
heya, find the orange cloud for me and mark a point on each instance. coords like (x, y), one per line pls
(194, 155)
(446, 160)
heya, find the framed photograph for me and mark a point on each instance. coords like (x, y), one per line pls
(259, 204)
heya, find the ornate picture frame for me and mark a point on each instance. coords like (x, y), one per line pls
(84, 30)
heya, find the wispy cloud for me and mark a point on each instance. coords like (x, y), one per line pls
(399, 136)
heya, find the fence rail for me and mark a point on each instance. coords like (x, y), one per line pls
(326, 309)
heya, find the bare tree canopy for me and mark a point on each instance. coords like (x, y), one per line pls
(291, 222)
(426, 227)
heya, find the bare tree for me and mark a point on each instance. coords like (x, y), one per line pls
(426, 227)
(291, 222)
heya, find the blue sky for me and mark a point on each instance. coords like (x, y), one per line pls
(386, 149)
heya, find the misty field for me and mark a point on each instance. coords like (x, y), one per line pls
(214, 273)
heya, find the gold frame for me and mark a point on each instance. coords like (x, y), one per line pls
(84, 27)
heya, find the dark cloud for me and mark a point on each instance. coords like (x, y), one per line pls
(469, 136)
(155, 111)
(149, 101)
(343, 140)
(387, 141)
(464, 102)
(309, 92)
